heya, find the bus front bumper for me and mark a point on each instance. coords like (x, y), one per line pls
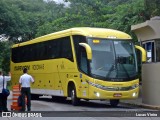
(100, 94)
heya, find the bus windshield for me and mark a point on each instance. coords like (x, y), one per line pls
(113, 60)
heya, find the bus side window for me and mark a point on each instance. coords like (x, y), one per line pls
(66, 48)
(80, 51)
(83, 60)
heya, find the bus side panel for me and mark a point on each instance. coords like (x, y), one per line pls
(45, 74)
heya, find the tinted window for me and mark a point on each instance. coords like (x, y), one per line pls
(80, 53)
(52, 49)
(66, 51)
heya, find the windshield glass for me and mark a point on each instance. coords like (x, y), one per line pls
(113, 59)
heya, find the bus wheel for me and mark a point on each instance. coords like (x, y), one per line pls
(114, 102)
(74, 98)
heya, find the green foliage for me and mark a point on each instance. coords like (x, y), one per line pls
(5, 56)
(11, 20)
(152, 8)
(33, 18)
(115, 14)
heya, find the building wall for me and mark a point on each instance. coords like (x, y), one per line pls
(151, 83)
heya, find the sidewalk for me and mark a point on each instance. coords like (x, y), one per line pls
(138, 102)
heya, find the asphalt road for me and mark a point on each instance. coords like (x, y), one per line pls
(87, 110)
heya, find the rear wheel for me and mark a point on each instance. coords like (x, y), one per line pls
(114, 102)
(74, 99)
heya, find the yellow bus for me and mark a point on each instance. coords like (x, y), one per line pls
(80, 63)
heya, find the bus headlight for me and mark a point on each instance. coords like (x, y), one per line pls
(134, 94)
(97, 94)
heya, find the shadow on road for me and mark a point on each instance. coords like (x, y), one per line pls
(89, 104)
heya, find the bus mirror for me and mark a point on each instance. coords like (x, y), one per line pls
(88, 50)
(143, 51)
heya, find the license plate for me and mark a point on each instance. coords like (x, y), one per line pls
(117, 95)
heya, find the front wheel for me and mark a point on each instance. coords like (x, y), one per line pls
(114, 102)
(74, 99)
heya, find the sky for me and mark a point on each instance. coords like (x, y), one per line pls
(61, 1)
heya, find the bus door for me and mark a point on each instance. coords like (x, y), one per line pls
(84, 86)
(83, 66)
(67, 73)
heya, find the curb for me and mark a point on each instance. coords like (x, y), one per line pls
(142, 105)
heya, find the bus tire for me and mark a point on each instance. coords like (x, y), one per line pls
(114, 102)
(74, 99)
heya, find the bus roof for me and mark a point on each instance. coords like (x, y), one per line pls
(85, 31)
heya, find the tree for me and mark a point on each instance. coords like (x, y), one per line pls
(5, 56)
(19, 18)
(28, 19)
(116, 14)
(152, 8)
(11, 21)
